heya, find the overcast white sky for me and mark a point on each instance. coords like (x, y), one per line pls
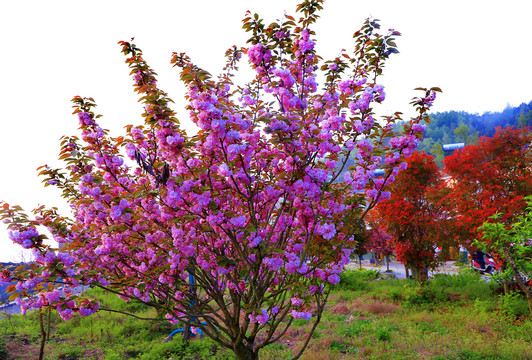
(477, 51)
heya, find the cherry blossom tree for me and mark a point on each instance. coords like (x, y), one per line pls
(236, 230)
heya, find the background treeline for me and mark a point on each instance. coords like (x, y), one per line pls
(459, 126)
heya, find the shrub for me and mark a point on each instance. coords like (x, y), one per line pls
(357, 280)
(466, 282)
(384, 334)
(3, 351)
(484, 305)
(514, 305)
(422, 296)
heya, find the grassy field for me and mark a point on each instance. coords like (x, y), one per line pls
(452, 317)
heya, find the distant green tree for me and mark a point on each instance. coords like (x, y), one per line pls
(524, 117)
(437, 152)
(472, 139)
(446, 139)
(426, 145)
(461, 132)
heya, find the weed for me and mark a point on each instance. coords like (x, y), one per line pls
(475, 355)
(3, 351)
(383, 334)
(514, 305)
(277, 346)
(519, 331)
(70, 354)
(277, 351)
(340, 347)
(484, 306)
(432, 327)
(355, 328)
(396, 295)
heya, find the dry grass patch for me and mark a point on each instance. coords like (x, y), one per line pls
(340, 309)
(380, 308)
(421, 317)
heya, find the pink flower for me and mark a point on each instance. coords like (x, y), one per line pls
(333, 279)
(258, 54)
(262, 319)
(238, 221)
(273, 264)
(301, 315)
(297, 301)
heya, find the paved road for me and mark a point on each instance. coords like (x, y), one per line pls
(7, 309)
(398, 269)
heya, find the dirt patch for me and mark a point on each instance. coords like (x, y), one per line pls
(484, 329)
(95, 354)
(24, 348)
(21, 348)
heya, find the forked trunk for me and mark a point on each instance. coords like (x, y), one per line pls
(245, 353)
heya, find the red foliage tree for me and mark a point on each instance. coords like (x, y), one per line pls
(414, 216)
(380, 242)
(491, 177)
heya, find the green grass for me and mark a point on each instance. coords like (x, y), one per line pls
(453, 317)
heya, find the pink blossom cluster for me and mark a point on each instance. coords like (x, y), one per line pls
(5, 277)
(259, 55)
(26, 238)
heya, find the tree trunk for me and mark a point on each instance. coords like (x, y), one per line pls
(43, 335)
(420, 274)
(406, 272)
(245, 353)
(529, 299)
(49, 323)
(415, 273)
(186, 334)
(387, 263)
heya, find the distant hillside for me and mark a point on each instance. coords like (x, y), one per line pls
(454, 127)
